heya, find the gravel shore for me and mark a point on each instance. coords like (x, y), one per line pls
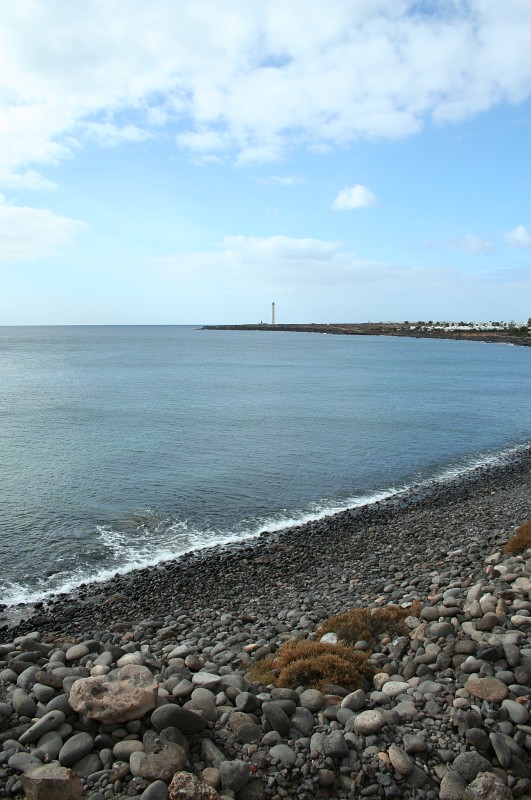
(450, 700)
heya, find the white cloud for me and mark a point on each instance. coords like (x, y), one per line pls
(238, 262)
(29, 179)
(519, 237)
(473, 244)
(246, 79)
(32, 233)
(357, 196)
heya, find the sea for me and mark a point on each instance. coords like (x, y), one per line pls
(125, 446)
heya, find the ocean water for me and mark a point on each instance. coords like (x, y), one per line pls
(121, 447)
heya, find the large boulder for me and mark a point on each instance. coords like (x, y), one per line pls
(125, 695)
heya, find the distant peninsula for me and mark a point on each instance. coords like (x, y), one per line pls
(503, 333)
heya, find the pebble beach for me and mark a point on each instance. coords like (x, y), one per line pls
(445, 715)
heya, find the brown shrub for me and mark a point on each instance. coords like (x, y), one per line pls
(364, 624)
(301, 662)
(521, 539)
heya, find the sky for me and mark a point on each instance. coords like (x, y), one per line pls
(176, 162)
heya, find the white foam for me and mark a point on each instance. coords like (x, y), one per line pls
(175, 538)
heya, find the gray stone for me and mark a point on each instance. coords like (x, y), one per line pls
(317, 744)
(207, 680)
(172, 715)
(283, 753)
(354, 701)
(501, 748)
(135, 760)
(163, 765)
(249, 733)
(311, 699)
(401, 761)
(247, 701)
(49, 722)
(87, 765)
(210, 754)
(76, 748)
(124, 750)
(303, 721)
(43, 693)
(452, 787)
(517, 712)
(23, 704)
(277, 718)
(406, 710)
(76, 651)
(234, 774)
(335, 745)
(155, 791)
(369, 722)
(413, 744)
(50, 744)
(470, 764)
(23, 762)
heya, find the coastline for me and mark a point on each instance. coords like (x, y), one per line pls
(368, 329)
(488, 502)
(152, 687)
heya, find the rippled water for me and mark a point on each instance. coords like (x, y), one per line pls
(124, 446)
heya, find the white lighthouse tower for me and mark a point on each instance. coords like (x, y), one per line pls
(272, 313)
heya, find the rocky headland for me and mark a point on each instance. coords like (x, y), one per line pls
(503, 336)
(144, 687)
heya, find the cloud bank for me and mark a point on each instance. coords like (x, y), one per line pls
(31, 233)
(248, 80)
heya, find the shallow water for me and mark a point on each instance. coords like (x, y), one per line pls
(124, 446)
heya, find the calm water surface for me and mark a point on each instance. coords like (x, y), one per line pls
(124, 446)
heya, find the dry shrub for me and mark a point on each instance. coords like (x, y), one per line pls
(521, 539)
(300, 662)
(363, 624)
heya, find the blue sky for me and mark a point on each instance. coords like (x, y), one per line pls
(175, 162)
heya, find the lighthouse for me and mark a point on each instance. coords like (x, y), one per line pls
(272, 313)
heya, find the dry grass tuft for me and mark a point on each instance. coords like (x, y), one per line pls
(301, 662)
(363, 624)
(521, 539)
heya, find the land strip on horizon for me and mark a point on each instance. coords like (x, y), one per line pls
(386, 329)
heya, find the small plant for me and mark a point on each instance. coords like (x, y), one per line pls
(363, 624)
(301, 662)
(521, 539)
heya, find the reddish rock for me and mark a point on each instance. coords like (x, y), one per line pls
(186, 786)
(487, 786)
(490, 689)
(50, 782)
(128, 695)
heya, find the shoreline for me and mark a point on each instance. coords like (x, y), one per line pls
(159, 588)
(155, 688)
(368, 329)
